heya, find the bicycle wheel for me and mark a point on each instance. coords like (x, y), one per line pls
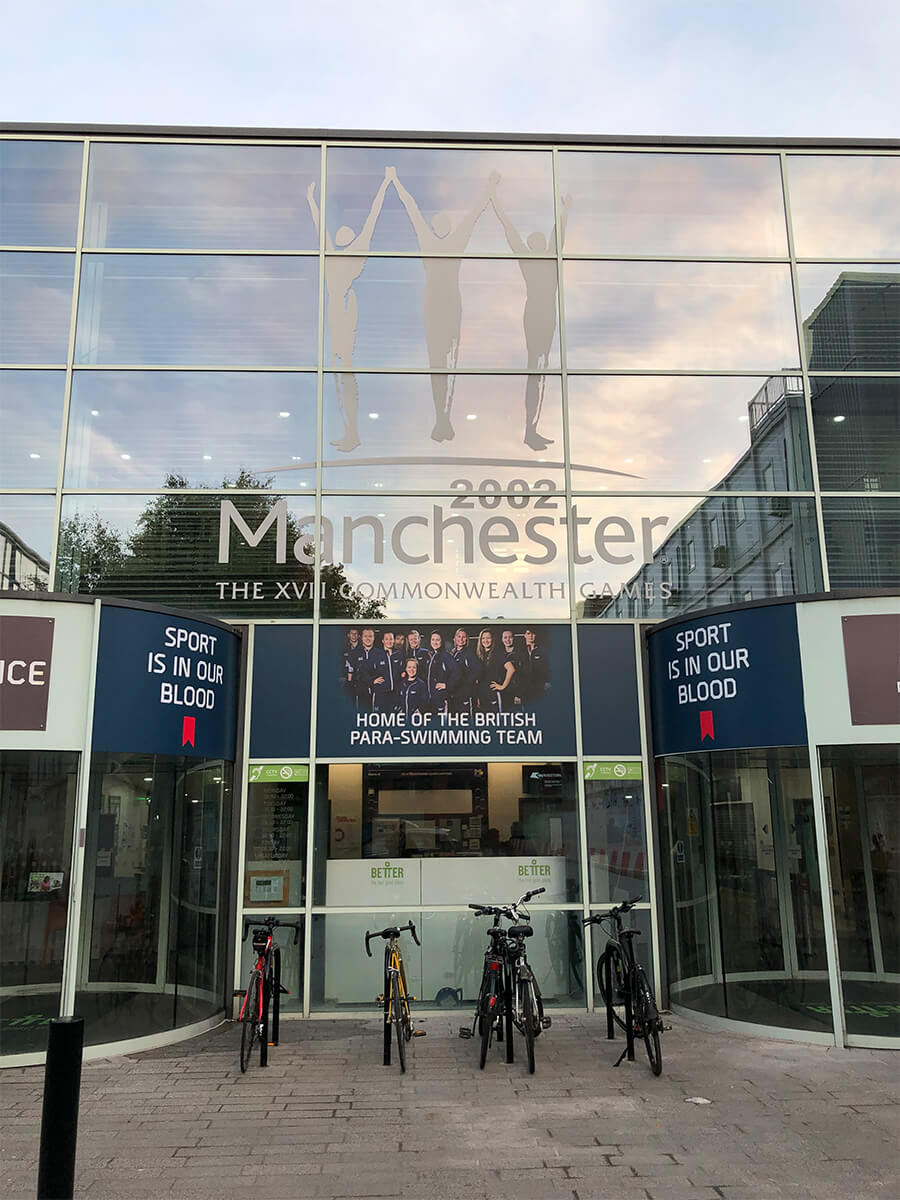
(617, 979)
(388, 1006)
(487, 1007)
(401, 1037)
(403, 996)
(646, 1019)
(529, 1017)
(249, 1021)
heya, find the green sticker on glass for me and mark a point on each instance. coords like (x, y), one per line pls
(278, 773)
(613, 770)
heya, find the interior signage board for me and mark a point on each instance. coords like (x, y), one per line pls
(165, 685)
(872, 658)
(26, 652)
(407, 690)
(728, 681)
(282, 682)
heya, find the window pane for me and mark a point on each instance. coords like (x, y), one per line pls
(201, 197)
(445, 972)
(638, 553)
(444, 201)
(857, 431)
(36, 820)
(861, 786)
(862, 541)
(26, 535)
(31, 405)
(680, 316)
(683, 432)
(845, 207)
(851, 317)
(35, 307)
(276, 844)
(198, 310)
(166, 550)
(673, 204)
(440, 313)
(447, 833)
(617, 839)
(40, 184)
(507, 431)
(446, 558)
(153, 429)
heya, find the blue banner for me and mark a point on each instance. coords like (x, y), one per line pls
(165, 685)
(728, 681)
(401, 690)
(610, 719)
(282, 680)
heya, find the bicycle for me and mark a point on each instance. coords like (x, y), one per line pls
(264, 988)
(509, 994)
(624, 988)
(395, 997)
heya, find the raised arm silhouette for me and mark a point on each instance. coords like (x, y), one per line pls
(442, 301)
(539, 318)
(343, 311)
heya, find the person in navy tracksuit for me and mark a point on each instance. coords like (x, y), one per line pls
(495, 674)
(443, 673)
(462, 698)
(412, 695)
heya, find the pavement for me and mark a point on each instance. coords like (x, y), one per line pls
(327, 1119)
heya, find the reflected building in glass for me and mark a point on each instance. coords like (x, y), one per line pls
(442, 429)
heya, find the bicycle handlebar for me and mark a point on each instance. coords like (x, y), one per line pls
(505, 910)
(614, 913)
(392, 931)
(270, 924)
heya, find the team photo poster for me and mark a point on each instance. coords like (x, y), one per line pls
(473, 689)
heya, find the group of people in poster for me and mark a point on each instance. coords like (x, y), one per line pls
(394, 670)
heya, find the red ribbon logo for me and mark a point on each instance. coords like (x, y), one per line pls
(189, 728)
(706, 725)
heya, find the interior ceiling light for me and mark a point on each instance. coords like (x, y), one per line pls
(839, 418)
(284, 414)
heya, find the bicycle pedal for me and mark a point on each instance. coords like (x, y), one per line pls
(465, 1031)
(420, 1033)
(379, 999)
(283, 991)
(546, 1022)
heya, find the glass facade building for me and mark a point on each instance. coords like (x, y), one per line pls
(443, 429)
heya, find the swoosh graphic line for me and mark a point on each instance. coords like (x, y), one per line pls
(438, 460)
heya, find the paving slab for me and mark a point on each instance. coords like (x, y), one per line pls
(328, 1120)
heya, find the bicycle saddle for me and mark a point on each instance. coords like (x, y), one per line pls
(520, 931)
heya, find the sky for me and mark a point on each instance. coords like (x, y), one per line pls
(773, 68)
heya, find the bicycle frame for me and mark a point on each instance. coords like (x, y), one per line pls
(395, 986)
(268, 970)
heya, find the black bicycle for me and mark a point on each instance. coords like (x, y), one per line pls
(396, 995)
(264, 989)
(509, 994)
(624, 988)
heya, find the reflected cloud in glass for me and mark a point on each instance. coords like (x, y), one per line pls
(679, 316)
(200, 197)
(40, 185)
(851, 316)
(682, 433)
(441, 201)
(454, 557)
(134, 429)
(198, 309)
(845, 206)
(31, 406)
(490, 418)
(35, 307)
(26, 536)
(705, 205)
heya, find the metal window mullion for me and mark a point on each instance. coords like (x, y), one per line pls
(804, 371)
(241, 788)
(77, 929)
(832, 951)
(70, 359)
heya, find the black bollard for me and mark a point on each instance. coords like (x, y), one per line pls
(59, 1120)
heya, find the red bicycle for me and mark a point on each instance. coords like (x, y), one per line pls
(264, 989)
